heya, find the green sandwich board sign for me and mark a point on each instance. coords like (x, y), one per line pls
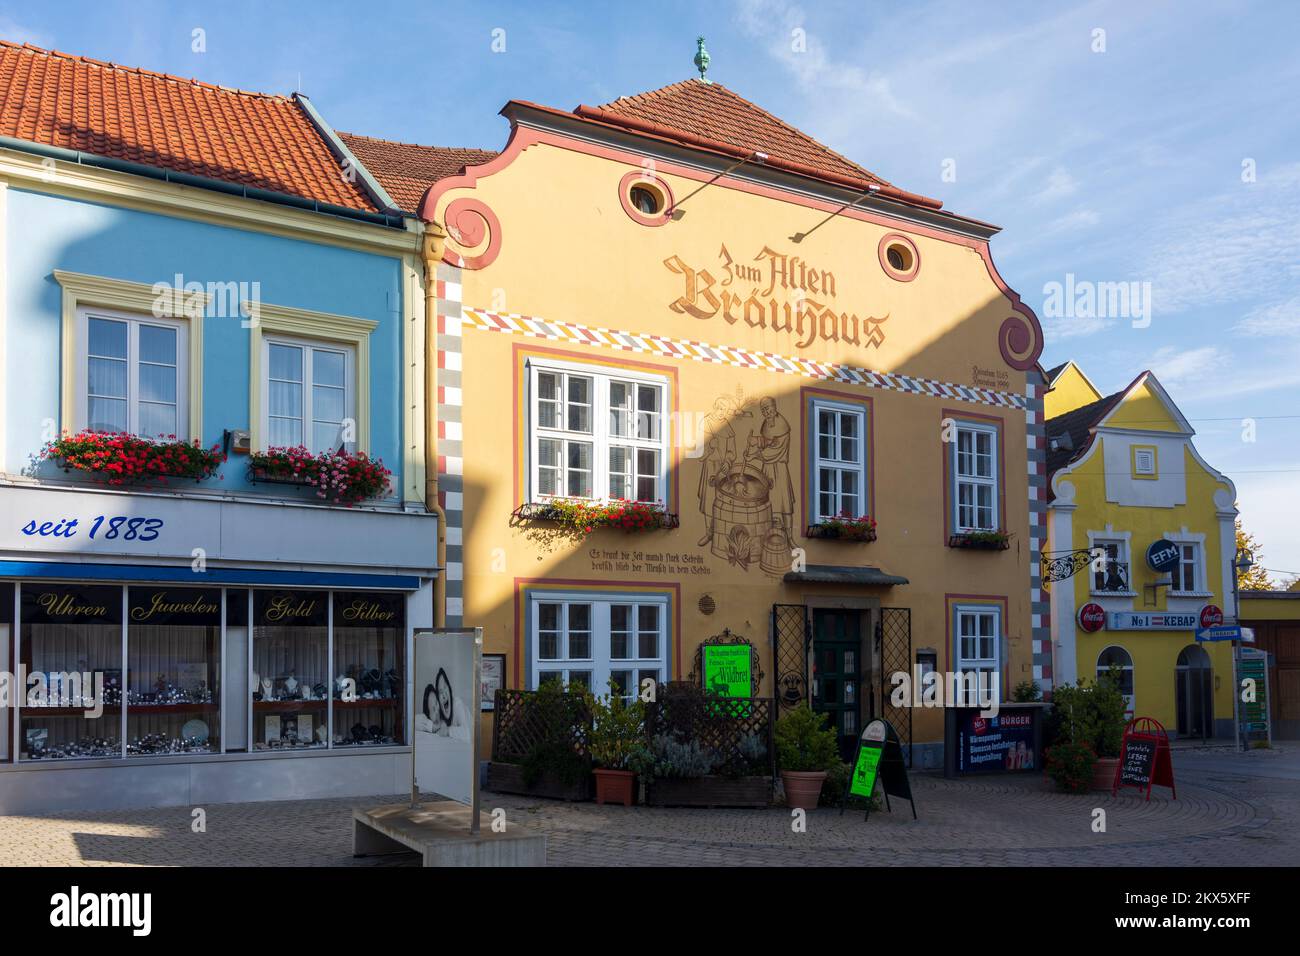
(727, 669)
(879, 757)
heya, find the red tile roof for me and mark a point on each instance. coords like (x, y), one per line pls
(712, 111)
(251, 139)
(407, 170)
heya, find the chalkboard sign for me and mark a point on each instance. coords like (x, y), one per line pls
(1137, 763)
(1144, 758)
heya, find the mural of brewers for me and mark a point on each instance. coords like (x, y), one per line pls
(747, 500)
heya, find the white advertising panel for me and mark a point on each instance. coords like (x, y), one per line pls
(446, 697)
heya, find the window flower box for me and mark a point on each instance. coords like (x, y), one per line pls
(981, 540)
(581, 516)
(119, 458)
(341, 477)
(844, 528)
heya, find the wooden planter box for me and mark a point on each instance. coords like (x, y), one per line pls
(509, 778)
(712, 791)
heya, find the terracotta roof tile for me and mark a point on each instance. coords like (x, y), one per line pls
(713, 111)
(251, 139)
(407, 170)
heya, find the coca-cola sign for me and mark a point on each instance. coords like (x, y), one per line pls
(1092, 618)
(1211, 615)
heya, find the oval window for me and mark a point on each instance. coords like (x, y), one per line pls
(646, 201)
(900, 257)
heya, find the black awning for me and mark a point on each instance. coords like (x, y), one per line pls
(843, 574)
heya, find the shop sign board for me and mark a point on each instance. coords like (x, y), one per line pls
(444, 759)
(1162, 556)
(1145, 621)
(1092, 618)
(1008, 742)
(727, 669)
(71, 524)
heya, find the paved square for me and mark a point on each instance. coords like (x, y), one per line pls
(1232, 809)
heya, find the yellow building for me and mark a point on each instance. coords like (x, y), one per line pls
(1129, 494)
(678, 298)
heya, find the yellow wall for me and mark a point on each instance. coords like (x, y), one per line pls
(1070, 390)
(1154, 653)
(570, 253)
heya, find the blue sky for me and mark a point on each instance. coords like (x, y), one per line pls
(1165, 150)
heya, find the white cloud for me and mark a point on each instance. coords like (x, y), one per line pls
(1279, 318)
(1185, 368)
(1059, 185)
(1242, 244)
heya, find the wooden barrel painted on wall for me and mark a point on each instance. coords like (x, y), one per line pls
(742, 516)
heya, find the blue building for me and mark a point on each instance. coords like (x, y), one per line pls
(199, 265)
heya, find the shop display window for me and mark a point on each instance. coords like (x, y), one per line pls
(289, 685)
(173, 687)
(369, 638)
(71, 642)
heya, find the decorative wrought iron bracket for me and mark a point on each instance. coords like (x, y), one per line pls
(1066, 565)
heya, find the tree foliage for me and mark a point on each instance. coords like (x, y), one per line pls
(1256, 578)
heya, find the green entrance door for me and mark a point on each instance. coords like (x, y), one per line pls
(837, 679)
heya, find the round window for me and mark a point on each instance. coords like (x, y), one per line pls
(646, 201)
(900, 257)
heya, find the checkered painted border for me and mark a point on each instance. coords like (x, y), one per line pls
(573, 333)
(1040, 607)
(451, 448)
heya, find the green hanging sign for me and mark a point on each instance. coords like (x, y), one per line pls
(727, 669)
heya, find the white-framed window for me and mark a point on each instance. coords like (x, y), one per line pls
(310, 394)
(1110, 566)
(596, 434)
(1187, 575)
(1116, 656)
(575, 638)
(979, 645)
(133, 374)
(839, 459)
(975, 477)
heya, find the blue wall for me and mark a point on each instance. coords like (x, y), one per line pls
(48, 232)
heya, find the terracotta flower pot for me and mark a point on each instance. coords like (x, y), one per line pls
(803, 788)
(615, 786)
(1103, 773)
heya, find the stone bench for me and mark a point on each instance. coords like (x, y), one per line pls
(439, 832)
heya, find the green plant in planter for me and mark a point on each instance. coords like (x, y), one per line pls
(804, 742)
(1070, 765)
(1091, 714)
(618, 730)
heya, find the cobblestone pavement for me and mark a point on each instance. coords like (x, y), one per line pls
(1232, 809)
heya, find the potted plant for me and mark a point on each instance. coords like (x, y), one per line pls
(806, 749)
(1089, 716)
(616, 736)
(684, 773)
(580, 517)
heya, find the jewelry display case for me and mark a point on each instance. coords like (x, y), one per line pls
(369, 637)
(290, 676)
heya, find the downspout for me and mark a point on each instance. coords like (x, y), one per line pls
(431, 252)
